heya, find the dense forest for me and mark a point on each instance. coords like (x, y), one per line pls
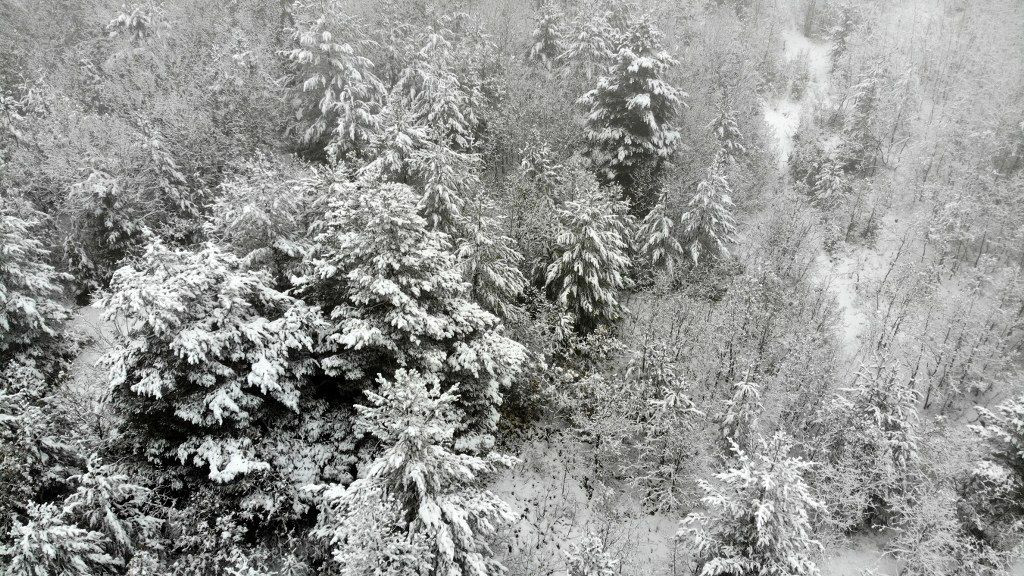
(510, 287)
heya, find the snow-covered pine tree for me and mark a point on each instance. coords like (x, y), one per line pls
(37, 443)
(547, 41)
(337, 97)
(860, 142)
(439, 98)
(629, 115)
(831, 185)
(212, 352)
(592, 44)
(658, 247)
(395, 295)
(394, 147)
(707, 226)
(591, 258)
(730, 140)
(737, 424)
(758, 516)
(419, 509)
(50, 544)
(104, 229)
(1001, 473)
(490, 262)
(590, 558)
(540, 166)
(447, 178)
(30, 289)
(262, 214)
(839, 35)
(870, 454)
(108, 502)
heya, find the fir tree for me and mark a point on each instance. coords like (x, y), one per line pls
(831, 185)
(658, 247)
(30, 289)
(629, 114)
(211, 351)
(48, 544)
(592, 44)
(439, 98)
(490, 264)
(447, 178)
(1001, 474)
(547, 39)
(105, 229)
(107, 502)
(758, 520)
(737, 424)
(338, 97)
(872, 454)
(591, 259)
(263, 212)
(395, 295)
(540, 166)
(707, 226)
(860, 142)
(419, 509)
(590, 558)
(727, 133)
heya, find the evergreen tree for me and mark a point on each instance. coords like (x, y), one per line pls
(447, 178)
(439, 97)
(30, 289)
(831, 185)
(211, 353)
(419, 509)
(490, 264)
(263, 212)
(48, 544)
(589, 558)
(107, 502)
(591, 258)
(730, 140)
(871, 453)
(708, 225)
(39, 446)
(547, 39)
(592, 44)
(737, 425)
(394, 148)
(839, 35)
(395, 296)
(758, 521)
(105, 229)
(629, 114)
(338, 97)
(1001, 474)
(540, 166)
(860, 142)
(658, 247)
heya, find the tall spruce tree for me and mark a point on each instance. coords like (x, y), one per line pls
(758, 519)
(420, 508)
(591, 258)
(629, 115)
(657, 246)
(547, 42)
(337, 97)
(394, 293)
(211, 354)
(707, 226)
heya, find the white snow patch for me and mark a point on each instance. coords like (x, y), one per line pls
(783, 116)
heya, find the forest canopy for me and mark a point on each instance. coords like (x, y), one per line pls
(488, 287)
